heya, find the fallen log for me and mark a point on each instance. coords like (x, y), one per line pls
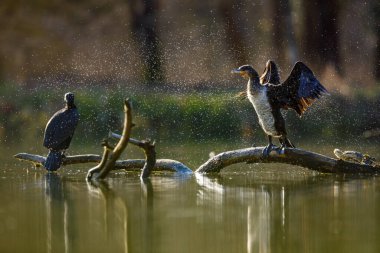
(293, 156)
(39, 160)
(128, 165)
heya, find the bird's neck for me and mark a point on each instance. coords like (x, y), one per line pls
(254, 86)
(70, 106)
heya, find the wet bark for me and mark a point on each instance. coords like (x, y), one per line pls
(149, 151)
(128, 165)
(110, 155)
(307, 159)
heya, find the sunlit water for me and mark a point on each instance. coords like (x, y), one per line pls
(246, 208)
(267, 209)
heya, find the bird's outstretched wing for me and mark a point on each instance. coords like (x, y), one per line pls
(270, 74)
(60, 129)
(299, 91)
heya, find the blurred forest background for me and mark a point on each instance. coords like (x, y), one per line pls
(174, 57)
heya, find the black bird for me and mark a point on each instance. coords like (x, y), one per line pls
(59, 131)
(298, 92)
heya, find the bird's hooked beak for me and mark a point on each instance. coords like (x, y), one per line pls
(243, 73)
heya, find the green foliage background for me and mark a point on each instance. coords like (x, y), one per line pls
(171, 116)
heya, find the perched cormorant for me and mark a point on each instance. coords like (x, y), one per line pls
(298, 92)
(59, 131)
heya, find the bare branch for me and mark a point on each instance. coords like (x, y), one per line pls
(98, 168)
(68, 160)
(115, 154)
(291, 156)
(128, 165)
(149, 150)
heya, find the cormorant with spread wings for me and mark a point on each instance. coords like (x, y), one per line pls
(268, 96)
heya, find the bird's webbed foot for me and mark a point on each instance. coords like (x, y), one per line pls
(281, 149)
(285, 143)
(269, 149)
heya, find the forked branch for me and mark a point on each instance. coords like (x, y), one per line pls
(102, 170)
(149, 151)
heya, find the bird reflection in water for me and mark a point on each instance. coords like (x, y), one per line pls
(56, 214)
(266, 208)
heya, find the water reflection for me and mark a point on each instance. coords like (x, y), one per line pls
(148, 211)
(115, 216)
(56, 214)
(258, 201)
(101, 218)
(230, 212)
(258, 225)
(282, 214)
(118, 226)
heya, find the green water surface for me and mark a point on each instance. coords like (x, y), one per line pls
(246, 208)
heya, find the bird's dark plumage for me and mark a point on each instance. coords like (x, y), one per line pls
(298, 92)
(59, 132)
(268, 95)
(53, 160)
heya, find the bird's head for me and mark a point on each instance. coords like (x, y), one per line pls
(246, 71)
(69, 98)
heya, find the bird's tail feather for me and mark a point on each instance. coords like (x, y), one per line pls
(53, 160)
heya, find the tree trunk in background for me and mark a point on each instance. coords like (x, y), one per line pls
(283, 40)
(329, 41)
(2, 77)
(321, 33)
(143, 14)
(377, 58)
(233, 28)
(376, 14)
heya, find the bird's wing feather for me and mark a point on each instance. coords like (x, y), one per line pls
(299, 90)
(60, 128)
(270, 74)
